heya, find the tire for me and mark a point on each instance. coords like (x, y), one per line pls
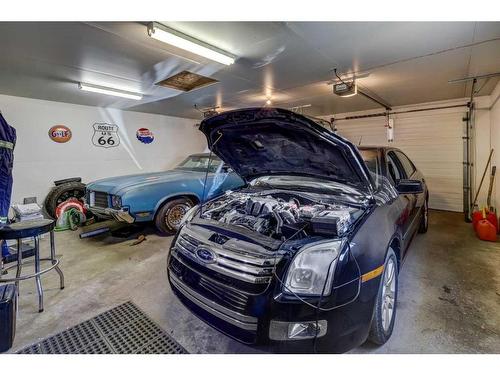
(424, 222)
(169, 216)
(383, 323)
(61, 193)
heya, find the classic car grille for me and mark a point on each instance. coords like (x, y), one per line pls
(100, 199)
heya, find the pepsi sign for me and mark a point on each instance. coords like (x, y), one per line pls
(145, 135)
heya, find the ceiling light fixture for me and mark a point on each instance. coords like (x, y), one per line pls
(177, 39)
(109, 91)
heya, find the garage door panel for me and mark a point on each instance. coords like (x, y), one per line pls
(432, 140)
(444, 184)
(434, 143)
(437, 154)
(429, 140)
(444, 201)
(448, 180)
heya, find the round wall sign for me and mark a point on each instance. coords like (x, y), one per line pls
(60, 133)
(145, 135)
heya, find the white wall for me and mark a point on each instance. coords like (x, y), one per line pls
(38, 161)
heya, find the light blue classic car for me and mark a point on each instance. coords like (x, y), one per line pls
(161, 197)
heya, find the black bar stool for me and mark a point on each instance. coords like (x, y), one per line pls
(25, 229)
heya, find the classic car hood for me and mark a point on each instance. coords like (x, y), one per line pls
(116, 185)
(271, 141)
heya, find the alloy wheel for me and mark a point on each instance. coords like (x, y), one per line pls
(388, 294)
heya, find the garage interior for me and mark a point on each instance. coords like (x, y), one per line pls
(431, 89)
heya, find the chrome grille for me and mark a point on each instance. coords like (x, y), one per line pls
(244, 267)
(100, 199)
(239, 272)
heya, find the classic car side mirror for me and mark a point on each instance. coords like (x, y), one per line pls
(409, 187)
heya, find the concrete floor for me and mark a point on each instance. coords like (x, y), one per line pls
(449, 299)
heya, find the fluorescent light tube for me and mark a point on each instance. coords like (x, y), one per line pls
(109, 91)
(177, 39)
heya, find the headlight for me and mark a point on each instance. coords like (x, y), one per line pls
(190, 214)
(116, 201)
(310, 270)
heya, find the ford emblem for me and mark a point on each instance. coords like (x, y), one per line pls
(205, 254)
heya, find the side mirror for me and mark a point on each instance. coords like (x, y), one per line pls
(409, 187)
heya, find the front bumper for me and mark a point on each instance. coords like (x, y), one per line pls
(347, 326)
(122, 215)
(244, 322)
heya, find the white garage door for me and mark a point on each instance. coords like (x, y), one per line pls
(432, 140)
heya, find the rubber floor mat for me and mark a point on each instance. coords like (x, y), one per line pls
(124, 329)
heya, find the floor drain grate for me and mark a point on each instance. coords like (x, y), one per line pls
(124, 329)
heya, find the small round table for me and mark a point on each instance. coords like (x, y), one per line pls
(25, 229)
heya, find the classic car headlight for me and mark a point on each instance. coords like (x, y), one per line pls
(310, 269)
(190, 214)
(116, 201)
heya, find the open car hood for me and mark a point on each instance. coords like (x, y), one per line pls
(271, 141)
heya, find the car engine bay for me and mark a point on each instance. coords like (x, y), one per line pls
(281, 215)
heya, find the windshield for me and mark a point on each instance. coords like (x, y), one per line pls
(200, 163)
(303, 183)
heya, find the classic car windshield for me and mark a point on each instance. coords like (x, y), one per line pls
(200, 163)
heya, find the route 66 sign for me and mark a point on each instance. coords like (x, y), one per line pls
(105, 135)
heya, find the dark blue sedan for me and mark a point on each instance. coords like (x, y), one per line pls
(306, 256)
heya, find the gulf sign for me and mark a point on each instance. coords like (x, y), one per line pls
(145, 135)
(60, 133)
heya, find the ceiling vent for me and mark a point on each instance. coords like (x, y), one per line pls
(187, 81)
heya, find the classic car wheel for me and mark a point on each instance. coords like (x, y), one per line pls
(385, 306)
(424, 223)
(169, 217)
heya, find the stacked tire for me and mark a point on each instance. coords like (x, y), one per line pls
(64, 189)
